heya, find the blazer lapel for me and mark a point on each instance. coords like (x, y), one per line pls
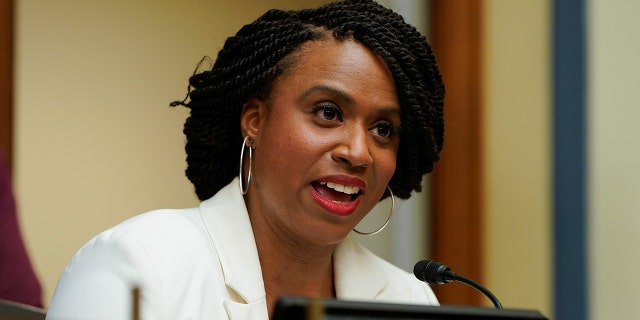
(227, 221)
(357, 275)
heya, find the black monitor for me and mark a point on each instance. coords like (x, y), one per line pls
(302, 308)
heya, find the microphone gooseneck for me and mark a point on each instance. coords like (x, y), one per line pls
(434, 272)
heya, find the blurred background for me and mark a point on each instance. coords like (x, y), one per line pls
(536, 189)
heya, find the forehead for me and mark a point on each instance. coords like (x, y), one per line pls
(346, 65)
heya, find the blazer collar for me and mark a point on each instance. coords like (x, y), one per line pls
(227, 221)
(358, 275)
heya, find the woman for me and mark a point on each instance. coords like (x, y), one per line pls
(334, 109)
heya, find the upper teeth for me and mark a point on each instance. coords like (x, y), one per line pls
(341, 187)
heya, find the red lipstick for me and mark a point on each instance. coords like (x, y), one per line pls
(333, 198)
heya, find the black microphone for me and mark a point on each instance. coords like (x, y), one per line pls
(434, 272)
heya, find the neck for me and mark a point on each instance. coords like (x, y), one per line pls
(293, 268)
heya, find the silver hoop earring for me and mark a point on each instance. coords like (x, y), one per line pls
(393, 204)
(245, 187)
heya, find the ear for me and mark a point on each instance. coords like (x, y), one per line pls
(253, 113)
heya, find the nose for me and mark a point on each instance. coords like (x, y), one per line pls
(353, 149)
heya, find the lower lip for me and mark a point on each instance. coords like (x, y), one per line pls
(340, 209)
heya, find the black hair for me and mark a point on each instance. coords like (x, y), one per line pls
(250, 61)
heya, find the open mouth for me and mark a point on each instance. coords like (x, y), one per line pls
(337, 193)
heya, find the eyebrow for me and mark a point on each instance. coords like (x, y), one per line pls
(341, 94)
(390, 110)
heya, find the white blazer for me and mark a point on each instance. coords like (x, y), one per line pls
(202, 263)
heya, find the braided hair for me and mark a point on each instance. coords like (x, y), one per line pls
(250, 61)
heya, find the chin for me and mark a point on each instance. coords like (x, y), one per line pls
(326, 238)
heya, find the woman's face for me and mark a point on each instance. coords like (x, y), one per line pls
(325, 142)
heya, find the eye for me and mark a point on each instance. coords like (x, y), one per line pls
(328, 112)
(385, 129)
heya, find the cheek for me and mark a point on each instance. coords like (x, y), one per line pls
(285, 148)
(386, 163)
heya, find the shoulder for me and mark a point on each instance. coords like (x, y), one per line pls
(163, 225)
(154, 232)
(159, 239)
(158, 252)
(158, 221)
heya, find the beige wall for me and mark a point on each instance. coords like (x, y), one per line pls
(518, 152)
(614, 155)
(96, 142)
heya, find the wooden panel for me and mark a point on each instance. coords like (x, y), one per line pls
(6, 78)
(457, 199)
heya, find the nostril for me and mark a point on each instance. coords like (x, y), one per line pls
(353, 155)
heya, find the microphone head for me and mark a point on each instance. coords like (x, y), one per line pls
(432, 272)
